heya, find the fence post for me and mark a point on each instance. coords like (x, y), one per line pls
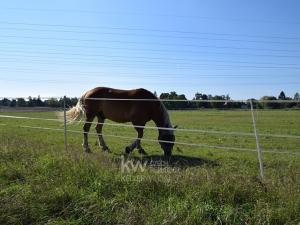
(65, 124)
(259, 155)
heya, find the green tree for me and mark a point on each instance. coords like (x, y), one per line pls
(282, 96)
(5, 102)
(52, 102)
(218, 105)
(269, 105)
(200, 96)
(21, 102)
(297, 98)
(13, 103)
(39, 102)
(174, 104)
(30, 102)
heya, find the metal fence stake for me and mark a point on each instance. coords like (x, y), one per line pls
(259, 154)
(65, 125)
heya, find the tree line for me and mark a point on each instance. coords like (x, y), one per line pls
(38, 102)
(227, 105)
(58, 102)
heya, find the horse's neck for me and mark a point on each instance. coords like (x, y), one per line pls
(163, 120)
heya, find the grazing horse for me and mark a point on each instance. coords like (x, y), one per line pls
(103, 103)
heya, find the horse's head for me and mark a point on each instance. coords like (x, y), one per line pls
(166, 140)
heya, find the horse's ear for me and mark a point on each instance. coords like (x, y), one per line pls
(175, 126)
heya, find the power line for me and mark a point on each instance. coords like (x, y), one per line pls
(148, 50)
(148, 43)
(132, 74)
(170, 59)
(238, 20)
(138, 82)
(123, 64)
(137, 34)
(49, 81)
(181, 65)
(130, 34)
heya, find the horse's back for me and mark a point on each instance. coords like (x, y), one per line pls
(127, 109)
(106, 92)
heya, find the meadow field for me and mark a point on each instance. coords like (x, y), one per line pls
(42, 183)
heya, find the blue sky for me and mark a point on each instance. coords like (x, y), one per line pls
(241, 48)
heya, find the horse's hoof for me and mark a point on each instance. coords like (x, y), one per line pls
(106, 149)
(142, 151)
(167, 158)
(87, 150)
(127, 150)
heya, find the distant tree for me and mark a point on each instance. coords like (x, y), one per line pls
(167, 104)
(13, 103)
(218, 105)
(39, 102)
(164, 96)
(206, 97)
(5, 102)
(297, 98)
(174, 104)
(282, 96)
(233, 105)
(183, 104)
(200, 96)
(73, 101)
(30, 102)
(21, 102)
(52, 102)
(269, 105)
(69, 102)
(155, 94)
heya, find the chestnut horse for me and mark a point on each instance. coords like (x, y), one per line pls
(103, 103)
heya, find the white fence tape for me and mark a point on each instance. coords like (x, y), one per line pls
(152, 140)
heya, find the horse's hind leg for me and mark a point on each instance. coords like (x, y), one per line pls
(86, 129)
(99, 127)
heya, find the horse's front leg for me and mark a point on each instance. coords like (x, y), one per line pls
(137, 142)
(131, 147)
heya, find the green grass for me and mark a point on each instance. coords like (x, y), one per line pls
(41, 183)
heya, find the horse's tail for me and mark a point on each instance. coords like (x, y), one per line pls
(76, 113)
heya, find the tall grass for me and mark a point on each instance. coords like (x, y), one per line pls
(42, 184)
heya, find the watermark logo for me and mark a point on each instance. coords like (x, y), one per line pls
(131, 166)
(134, 170)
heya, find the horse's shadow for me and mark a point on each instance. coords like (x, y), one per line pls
(175, 161)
